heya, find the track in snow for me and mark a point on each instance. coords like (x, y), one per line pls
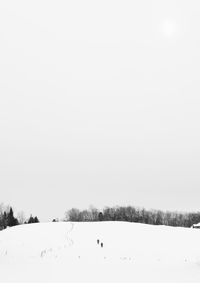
(69, 240)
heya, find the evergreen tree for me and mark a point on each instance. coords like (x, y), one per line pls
(36, 220)
(5, 220)
(11, 220)
(31, 220)
(100, 216)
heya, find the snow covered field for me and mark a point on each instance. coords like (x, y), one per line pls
(68, 252)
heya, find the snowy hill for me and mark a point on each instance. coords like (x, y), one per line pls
(68, 252)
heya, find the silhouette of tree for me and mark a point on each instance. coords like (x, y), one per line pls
(100, 216)
(11, 220)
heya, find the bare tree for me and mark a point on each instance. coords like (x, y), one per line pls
(21, 217)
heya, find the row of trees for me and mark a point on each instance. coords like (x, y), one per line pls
(133, 214)
(7, 218)
(32, 220)
(118, 213)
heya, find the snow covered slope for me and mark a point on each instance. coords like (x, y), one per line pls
(68, 252)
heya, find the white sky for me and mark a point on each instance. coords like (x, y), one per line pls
(99, 104)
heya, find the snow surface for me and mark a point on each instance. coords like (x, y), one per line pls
(68, 252)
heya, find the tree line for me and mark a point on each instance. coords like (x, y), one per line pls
(117, 213)
(134, 214)
(8, 219)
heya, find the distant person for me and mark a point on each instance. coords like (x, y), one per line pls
(98, 241)
(101, 245)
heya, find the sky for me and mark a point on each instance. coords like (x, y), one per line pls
(99, 105)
